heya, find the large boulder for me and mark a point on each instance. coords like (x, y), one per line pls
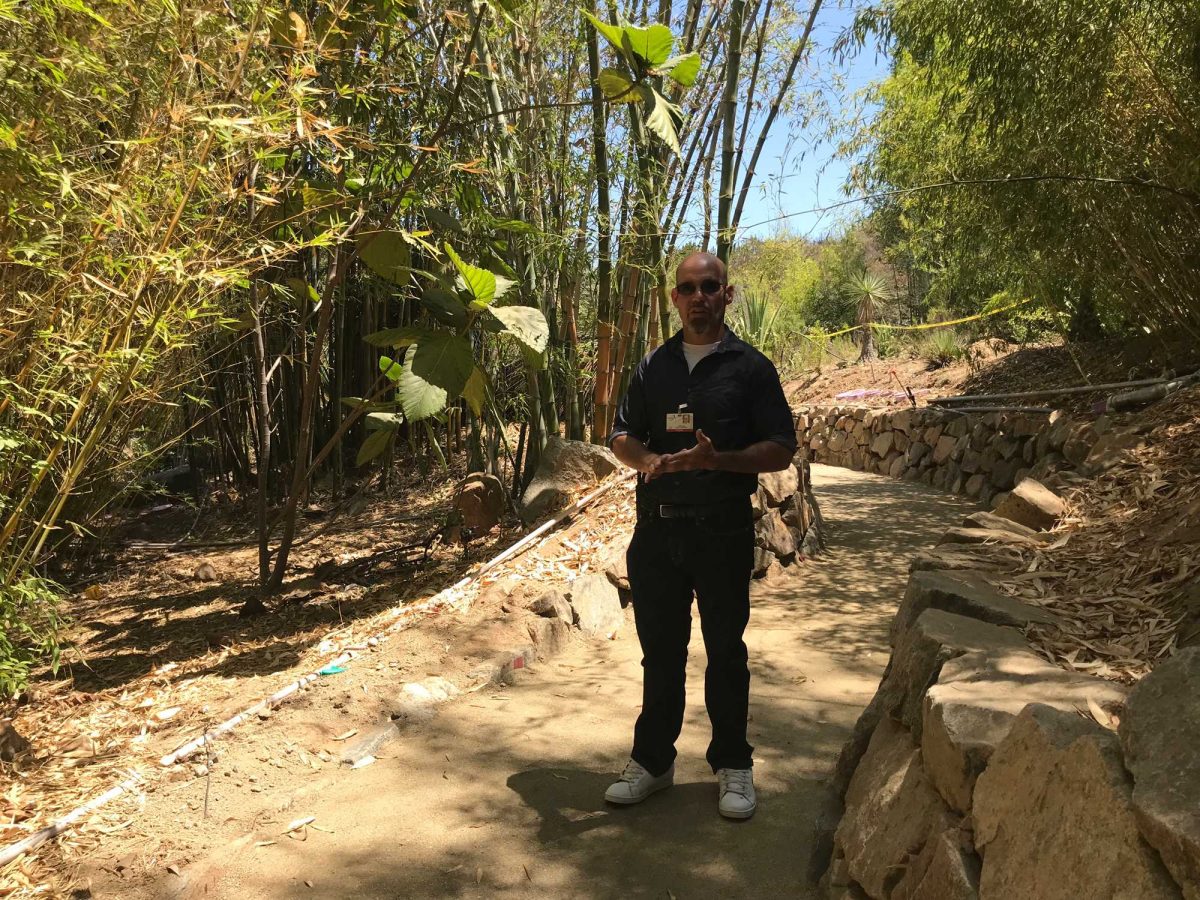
(1032, 504)
(973, 706)
(966, 595)
(778, 486)
(565, 467)
(1160, 732)
(553, 605)
(480, 501)
(891, 811)
(597, 605)
(1054, 817)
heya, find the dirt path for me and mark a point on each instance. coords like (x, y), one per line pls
(500, 795)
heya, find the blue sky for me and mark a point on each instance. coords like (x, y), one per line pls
(794, 181)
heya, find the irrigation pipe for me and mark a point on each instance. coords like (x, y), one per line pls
(1048, 392)
(12, 851)
(407, 616)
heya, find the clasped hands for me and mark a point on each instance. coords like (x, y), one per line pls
(702, 456)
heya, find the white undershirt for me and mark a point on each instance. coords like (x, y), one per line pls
(693, 353)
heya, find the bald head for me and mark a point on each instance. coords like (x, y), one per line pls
(700, 265)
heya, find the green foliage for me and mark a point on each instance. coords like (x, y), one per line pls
(940, 347)
(29, 623)
(753, 318)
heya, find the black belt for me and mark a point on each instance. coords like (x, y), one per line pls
(692, 510)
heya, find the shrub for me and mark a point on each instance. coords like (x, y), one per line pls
(29, 623)
(940, 347)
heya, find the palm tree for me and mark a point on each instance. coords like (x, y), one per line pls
(871, 295)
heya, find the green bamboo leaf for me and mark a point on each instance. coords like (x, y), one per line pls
(479, 283)
(616, 87)
(652, 44)
(662, 117)
(682, 69)
(386, 254)
(374, 445)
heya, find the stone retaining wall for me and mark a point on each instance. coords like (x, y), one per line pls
(980, 455)
(979, 770)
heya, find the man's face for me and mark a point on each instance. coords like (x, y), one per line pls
(701, 294)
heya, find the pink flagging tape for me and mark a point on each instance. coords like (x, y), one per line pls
(406, 615)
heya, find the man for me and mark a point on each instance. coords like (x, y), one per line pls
(703, 415)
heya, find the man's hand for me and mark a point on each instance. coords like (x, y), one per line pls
(702, 456)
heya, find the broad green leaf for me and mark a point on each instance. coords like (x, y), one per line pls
(374, 445)
(682, 69)
(475, 393)
(390, 368)
(386, 420)
(302, 290)
(442, 220)
(444, 306)
(418, 397)
(662, 117)
(652, 44)
(386, 253)
(616, 87)
(441, 357)
(526, 324)
(360, 403)
(479, 283)
(612, 33)
(516, 226)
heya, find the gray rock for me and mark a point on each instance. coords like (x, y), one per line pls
(1160, 733)
(553, 605)
(762, 562)
(759, 503)
(965, 595)
(550, 636)
(975, 702)
(1112, 449)
(943, 448)
(564, 468)
(1054, 817)
(778, 486)
(891, 811)
(617, 571)
(960, 557)
(882, 445)
(597, 605)
(991, 520)
(1033, 505)
(772, 534)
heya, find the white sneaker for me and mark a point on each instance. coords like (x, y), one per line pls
(738, 800)
(636, 784)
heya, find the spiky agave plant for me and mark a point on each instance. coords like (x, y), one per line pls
(754, 320)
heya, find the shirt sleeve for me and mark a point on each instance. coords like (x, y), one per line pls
(771, 415)
(632, 418)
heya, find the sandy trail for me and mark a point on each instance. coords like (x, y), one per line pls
(500, 795)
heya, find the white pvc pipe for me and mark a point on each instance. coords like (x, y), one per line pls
(408, 613)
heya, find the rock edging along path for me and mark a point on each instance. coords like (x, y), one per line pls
(501, 794)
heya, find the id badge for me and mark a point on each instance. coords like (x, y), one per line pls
(680, 421)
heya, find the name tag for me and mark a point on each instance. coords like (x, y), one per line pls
(680, 422)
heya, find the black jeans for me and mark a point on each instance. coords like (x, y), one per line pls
(668, 560)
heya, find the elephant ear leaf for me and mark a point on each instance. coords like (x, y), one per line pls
(526, 324)
(386, 254)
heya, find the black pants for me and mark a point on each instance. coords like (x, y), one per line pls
(668, 560)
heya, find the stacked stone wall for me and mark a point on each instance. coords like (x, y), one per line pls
(980, 455)
(980, 770)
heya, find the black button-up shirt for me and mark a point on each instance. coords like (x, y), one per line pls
(735, 398)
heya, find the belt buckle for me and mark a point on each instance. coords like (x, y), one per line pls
(660, 511)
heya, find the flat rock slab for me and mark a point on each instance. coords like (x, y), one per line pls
(553, 605)
(891, 810)
(988, 536)
(972, 708)
(772, 534)
(999, 523)
(966, 596)
(1054, 816)
(1160, 733)
(778, 486)
(597, 605)
(962, 557)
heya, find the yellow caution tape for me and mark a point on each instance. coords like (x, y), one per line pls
(928, 325)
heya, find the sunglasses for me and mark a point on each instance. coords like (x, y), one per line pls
(709, 286)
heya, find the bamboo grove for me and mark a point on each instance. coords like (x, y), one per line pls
(275, 240)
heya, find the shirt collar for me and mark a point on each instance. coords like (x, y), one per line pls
(729, 343)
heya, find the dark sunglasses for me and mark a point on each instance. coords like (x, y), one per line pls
(709, 286)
